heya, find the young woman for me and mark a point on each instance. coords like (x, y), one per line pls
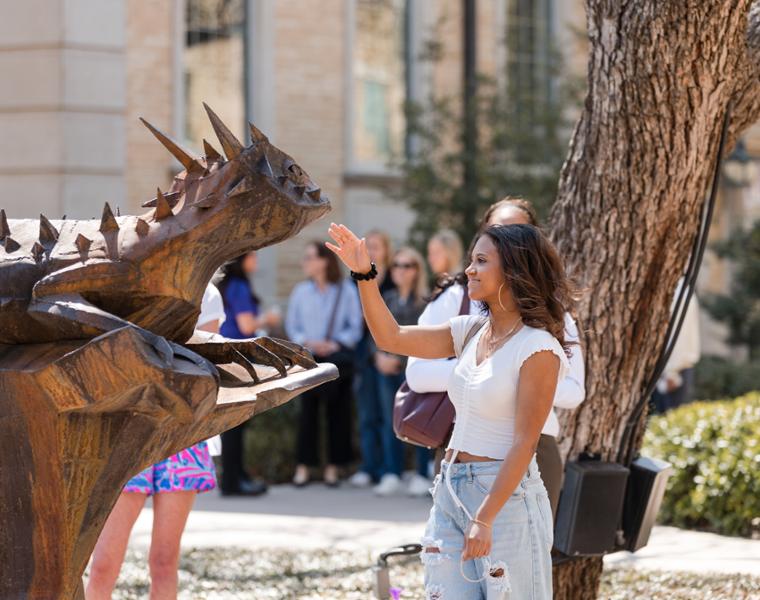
(492, 506)
(173, 483)
(406, 303)
(432, 375)
(243, 318)
(444, 253)
(324, 315)
(368, 405)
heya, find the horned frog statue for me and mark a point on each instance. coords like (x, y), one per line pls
(101, 371)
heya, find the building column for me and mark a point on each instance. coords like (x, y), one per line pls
(62, 107)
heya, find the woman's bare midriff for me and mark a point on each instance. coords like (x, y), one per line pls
(463, 457)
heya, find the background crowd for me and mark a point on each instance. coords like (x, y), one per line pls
(345, 428)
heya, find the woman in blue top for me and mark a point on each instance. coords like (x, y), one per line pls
(324, 315)
(242, 320)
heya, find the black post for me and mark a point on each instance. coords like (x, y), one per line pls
(470, 132)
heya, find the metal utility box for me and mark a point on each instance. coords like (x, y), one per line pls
(590, 508)
(643, 497)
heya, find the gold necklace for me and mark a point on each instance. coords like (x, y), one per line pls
(492, 345)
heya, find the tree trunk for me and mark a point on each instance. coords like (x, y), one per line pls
(661, 76)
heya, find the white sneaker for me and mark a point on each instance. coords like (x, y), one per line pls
(360, 479)
(419, 486)
(389, 485)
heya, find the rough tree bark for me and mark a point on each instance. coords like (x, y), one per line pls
(661, 75)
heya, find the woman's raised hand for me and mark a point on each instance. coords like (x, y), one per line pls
(349, 248)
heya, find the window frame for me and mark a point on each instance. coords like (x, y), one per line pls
(415, 13)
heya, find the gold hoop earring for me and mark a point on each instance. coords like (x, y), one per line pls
(500, 304)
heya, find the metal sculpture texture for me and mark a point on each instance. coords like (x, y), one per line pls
(101, 372)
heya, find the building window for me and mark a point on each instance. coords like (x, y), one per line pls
(214, 66)
(379, 81)
(531, 61)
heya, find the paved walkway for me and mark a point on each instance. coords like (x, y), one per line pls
(356, 520)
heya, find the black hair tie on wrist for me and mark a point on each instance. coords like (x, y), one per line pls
(365, 276)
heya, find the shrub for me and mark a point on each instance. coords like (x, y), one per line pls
(714, 448)
(270, 443)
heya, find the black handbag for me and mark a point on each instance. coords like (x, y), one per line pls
(426, 419)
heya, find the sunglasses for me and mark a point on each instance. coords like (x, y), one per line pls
(403, 265)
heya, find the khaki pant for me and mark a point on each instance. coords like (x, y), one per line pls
(552, 470)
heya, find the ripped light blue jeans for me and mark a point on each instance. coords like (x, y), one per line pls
(519, 566)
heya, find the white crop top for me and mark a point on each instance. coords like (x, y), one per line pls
(484, 395)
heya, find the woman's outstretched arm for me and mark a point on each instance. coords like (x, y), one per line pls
(424, 342)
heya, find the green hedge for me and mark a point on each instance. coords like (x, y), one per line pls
(714, 448)
(270, 443)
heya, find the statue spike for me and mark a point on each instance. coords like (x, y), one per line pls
(10, 244)
(48, 233)
(118, 211)
(108, 221)
(172, 198)
(177, 152)
(197, 168)
(63, 218)
(256, 134)
(210, 152)
(230, 144)
(264, 167)
(5, 231)
(83, 244)
(315, 194)
(37, 251)
(142, 227)
(163, 210)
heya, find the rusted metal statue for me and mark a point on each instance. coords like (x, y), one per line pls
(101, 373)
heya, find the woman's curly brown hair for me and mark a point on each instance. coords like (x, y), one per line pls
(536, 277)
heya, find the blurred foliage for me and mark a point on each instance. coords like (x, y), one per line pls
(739, 309)
(522, 133)
(718, 377)
(714, 448)
(270, 443)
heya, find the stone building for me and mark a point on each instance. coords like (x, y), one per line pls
(325, 80)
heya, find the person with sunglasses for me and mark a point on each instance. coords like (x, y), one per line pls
(406, 303)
